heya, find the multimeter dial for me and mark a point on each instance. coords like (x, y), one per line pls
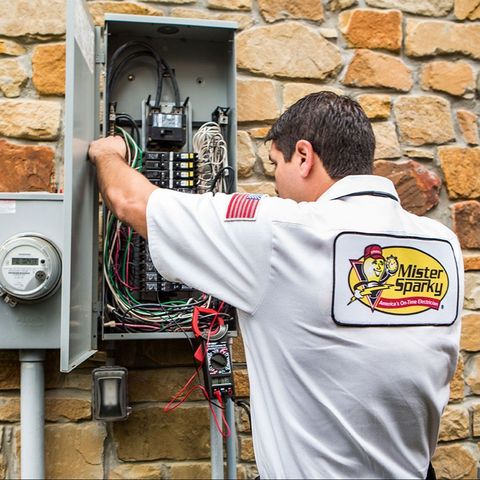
(30, 268)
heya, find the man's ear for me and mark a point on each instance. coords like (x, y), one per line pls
(306, 157)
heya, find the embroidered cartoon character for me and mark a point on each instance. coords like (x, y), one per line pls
(373, 272)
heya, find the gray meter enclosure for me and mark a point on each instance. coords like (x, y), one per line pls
(31, 325)
(202, 55)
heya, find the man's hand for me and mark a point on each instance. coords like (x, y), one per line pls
(105, 147)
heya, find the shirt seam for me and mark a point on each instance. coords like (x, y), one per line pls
(267, 277)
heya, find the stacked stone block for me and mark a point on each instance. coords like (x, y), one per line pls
(413, 66)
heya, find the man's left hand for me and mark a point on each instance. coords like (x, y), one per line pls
(104, 147)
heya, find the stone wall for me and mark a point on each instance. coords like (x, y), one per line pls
(412, 64)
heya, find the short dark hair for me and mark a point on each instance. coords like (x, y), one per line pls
(337, 128)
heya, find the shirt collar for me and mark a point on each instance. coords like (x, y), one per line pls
(359, 183)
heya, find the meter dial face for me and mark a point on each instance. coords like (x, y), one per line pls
(30, 267)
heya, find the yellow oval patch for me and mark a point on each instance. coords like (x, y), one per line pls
(398, 280)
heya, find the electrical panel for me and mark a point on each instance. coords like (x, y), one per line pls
(168, 86)
(170, 92)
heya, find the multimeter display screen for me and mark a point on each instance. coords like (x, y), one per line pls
(24, 261)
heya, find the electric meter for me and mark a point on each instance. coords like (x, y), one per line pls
(30, 269)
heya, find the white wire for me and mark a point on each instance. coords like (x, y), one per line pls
(209, 144)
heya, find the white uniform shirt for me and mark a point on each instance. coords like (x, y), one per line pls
(335, 393)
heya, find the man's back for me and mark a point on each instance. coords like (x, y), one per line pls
(332, 399)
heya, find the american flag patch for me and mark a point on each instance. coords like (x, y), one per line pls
(243, 206)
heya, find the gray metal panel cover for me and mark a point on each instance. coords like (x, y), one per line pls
(78, 328)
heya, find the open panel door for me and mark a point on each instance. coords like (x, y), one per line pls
(80, 254)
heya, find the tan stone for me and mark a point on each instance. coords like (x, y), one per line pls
(257, 100)
(65, 405)
(295, 91)
(10, 371)
(455, 424)
(79, 379)
(257, 187)
(418, 187)
(9, 47)
(243, 420)
(424, 119)
(456, 78)
(466, 223)
(430, 8)
(468, 123)
(273, 10)
(74, 450)
(472, 377)
(454, 461)
(98, 9)
(375, 106)
(328, 32)
(193, 471)
(372, 69)
(336, 5)
(427, 37)
(472, 293)
(263, 152)
(386, 140)
(243, 20)
(467, 9)
(186, 428)
(260, 132)
(48, 63)
(471, 262)
(145, 471)
(364, 28)
(240, 378)
(246, 449)
(158, 385)
(31, 119)
(9, 408)
(13, 77)
(457, 384)
(290, 50)
(460, 167)
(179, 2)
(36, 19)
(476, 420)
(238, 350)
(26, 168)
(230, 4)
(245, 154)
(470, 339)
(419, 153)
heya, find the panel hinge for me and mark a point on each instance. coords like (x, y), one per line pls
(96, 308)
(99, 46)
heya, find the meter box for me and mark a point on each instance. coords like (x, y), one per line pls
(168, 86)
(31, 244)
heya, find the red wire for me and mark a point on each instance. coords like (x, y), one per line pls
(218, 396)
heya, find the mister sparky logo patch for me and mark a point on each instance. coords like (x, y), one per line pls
(397, 280)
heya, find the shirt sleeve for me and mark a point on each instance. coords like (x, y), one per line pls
(193, 240)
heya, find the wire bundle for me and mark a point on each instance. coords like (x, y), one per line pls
(123, 304)
(131, 51)
(209, 144)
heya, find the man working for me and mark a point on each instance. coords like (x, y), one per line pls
(348, 304)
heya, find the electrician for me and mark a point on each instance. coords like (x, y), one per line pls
(348, 374)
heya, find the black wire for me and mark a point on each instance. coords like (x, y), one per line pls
(112, 70)
(132, 122)
(217, 178)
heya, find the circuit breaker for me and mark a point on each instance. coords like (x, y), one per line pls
(168, 86)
